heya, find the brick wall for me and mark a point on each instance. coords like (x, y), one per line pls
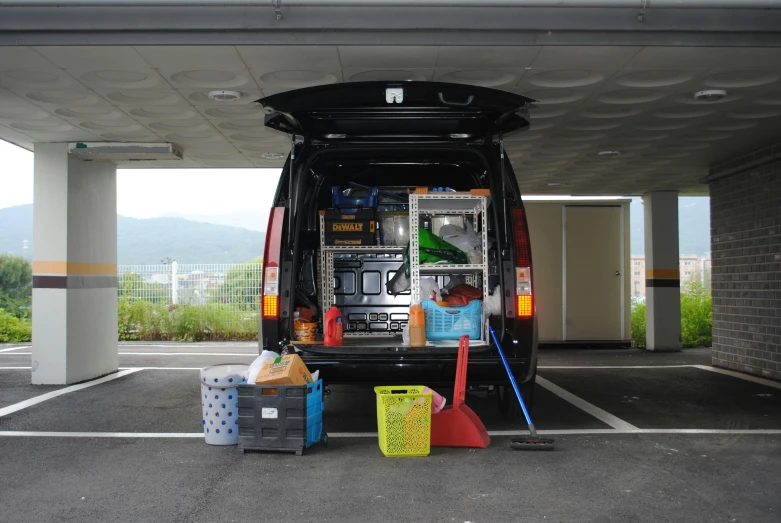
(746, 258)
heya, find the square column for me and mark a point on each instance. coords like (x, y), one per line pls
(74, 267)
(663, 276)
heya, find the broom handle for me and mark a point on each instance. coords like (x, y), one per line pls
(512, 380)
(459, 391)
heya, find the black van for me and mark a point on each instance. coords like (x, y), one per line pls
(395, 137)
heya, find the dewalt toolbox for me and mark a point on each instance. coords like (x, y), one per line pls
(355, 229)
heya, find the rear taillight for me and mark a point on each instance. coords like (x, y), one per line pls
(271, 260)
(523, 271)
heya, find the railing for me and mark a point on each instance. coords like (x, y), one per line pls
(216, 297)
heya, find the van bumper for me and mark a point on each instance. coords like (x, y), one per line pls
(422, 369)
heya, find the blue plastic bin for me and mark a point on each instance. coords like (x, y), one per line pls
(450, 323)
(314, 413)
(348, 205)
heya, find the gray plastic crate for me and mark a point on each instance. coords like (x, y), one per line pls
(272, 418)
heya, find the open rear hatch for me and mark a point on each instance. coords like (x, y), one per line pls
(389, 113)
(376, 111)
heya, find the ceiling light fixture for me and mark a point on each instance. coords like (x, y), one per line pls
(272, 156)
(224, 96)
(609, 154)
(556, 184)
(711, 95)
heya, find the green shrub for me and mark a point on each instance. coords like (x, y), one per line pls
(13, 329)
(696, 318)
(638, 324)
(142, 320)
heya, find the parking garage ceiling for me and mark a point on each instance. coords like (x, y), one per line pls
(610, 119)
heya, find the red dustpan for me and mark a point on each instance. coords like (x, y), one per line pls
(458, 425)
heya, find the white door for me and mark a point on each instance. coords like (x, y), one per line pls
(593, 266)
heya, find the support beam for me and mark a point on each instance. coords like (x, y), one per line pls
(74, 267)
(663, 278)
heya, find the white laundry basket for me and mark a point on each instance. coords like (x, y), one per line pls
(220, 401)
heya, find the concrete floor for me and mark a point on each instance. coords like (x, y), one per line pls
(691, 445)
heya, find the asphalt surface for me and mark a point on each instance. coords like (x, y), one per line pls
(595, 474)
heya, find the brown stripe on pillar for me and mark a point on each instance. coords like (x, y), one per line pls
(660, 282)
(61, 267)
(663, 273)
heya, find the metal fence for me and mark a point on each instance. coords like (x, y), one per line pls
(227, 287)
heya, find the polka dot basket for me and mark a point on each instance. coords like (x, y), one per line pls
(220, 402)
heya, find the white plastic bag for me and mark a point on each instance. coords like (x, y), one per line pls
(427, 285)
(492, 305)
(254, 368)
(465, 239)
(405, 335)
(400, 281)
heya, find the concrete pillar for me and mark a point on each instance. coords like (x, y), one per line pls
(663, 277)
(74, 267)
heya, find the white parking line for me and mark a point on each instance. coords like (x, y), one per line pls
(494, 433)
(14, 368)
(188, 354)
(592, 367)
(602, 415)
(66, 390)
(162, 368)
(248, 354)
(44, 434)
(747, 377)
(14, 348)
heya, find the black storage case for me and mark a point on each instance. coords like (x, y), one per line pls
(358, 228)
(286, 433)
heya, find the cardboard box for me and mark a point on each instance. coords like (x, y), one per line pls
(287, 370)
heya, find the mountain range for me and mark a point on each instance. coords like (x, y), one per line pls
(149, 241)
(238, 236)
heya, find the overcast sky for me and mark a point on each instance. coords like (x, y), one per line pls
(155, 192)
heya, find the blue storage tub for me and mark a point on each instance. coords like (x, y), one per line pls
(348, 205)
(450, 323)
(314, 413)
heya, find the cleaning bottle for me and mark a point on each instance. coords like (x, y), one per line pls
(417, 326)
(333, 327)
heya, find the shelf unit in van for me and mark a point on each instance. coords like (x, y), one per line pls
(442, 204)
(327, 252)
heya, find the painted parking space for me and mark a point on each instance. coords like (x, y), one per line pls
(144, 401)
(686, 397)
(15, 386)
(621, 391)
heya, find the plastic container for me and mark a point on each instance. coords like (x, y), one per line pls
(450, 323)
(281, 418)
(333, 327)
(404, 420)
(417, 326)
(394, 228)
(304, 330)
(220, 402)
(350, 205)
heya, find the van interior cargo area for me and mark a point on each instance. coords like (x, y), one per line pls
(355, 279)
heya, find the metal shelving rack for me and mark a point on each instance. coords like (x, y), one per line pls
(447, 203)
(437, 204)
(327, 263)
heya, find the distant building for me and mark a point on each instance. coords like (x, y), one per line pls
(689, 266)
(638, 276)
(693, 269)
